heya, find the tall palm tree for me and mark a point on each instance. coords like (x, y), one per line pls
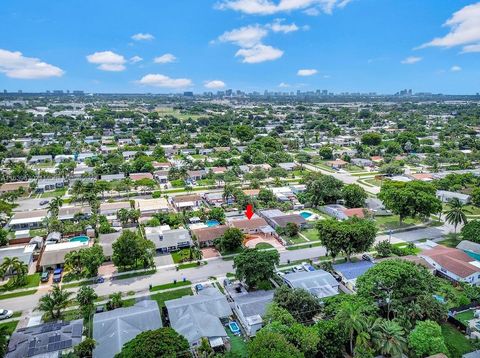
(353, 320)
(456, 214)
(54, 206)
(54, 302)
(389, 338)
(123, 216)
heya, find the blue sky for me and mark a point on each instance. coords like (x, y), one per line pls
(162, 46)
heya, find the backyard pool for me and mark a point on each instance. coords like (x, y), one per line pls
(211, 223)
(305, 214)
(81, 238)
(234, 327)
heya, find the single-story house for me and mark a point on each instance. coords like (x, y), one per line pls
(361, 162)
(161, 176)
(453, 264)
(470, 248)
(276, 218)
(350, 271)
(148, 207)
(196, 317)
(256, 225)
(112, 329)
(54, 254)
(106, 241)
(46, 340)
(112, 177)
(250, 307)
(72, 212)
(14, 186)
(206, 236)
(337, 163)
(288, 166)
(27, 220)
(445, 196)
(109, 209)
(319, 283)
(342, 213)
(44, 185)
(23, 252)
(216, 199)
(187, 202)
(40, 159)
(171, 240)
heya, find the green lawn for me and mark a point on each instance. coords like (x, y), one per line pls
(171, 295)
(198, 156)
(456, 342)
(392, 222)
(473, 210)
(372, 181)
(238, 345)
(307, 245)
(465, 316)
(181, 256)
(263, 245)
(170, 285)
(53, 193)
(135, 274)
(297, 239)
(311, 234)
(9, 326)
(31, 281)
(450, 242)
(191, 265)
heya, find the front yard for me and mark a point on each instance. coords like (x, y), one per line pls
(393, 223)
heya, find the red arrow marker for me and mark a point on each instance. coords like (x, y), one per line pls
(249, 212)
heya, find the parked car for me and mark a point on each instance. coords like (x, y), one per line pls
(367, 257)
(45, 276)
(4, 314)
(44, 202)
(57, 275)
(99, 279)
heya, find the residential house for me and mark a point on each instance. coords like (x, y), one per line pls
(276, 218)
(342, 213)
(256, 225)
(112, 329)
(288, 166)
(27, 220)
(186, 202)
(53, 255)
(140, 176)
(471, 248)
(453, 264)
(44, 185)
(337, 163)
(112, 177)
(445, 196)
(319, 283)
(14, 186)
(111, 209)
(161, 176)
(196, 317)
(66, 213)
(106, 242)
(361, 162)
(23, 252)
(36, 159)
(148, 207)
(249, 307)
(47, 340)
(171, 240)
(216, 199)
(350, 271)
(206, 236)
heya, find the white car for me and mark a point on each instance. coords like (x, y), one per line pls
(4, 314)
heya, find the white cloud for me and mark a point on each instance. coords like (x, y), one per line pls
(278, 26)
(107, 61)
(259, 53)
(464, 30)
(313, 11)
(247, 36)
(15, 65)
(215, 84)
(135, 59)
(158, 80)
(283, 85)
(307, 72)
(143, 37)
(471, 48)
(269, 7)
(411, 60)
(166, 58)
(455, 68)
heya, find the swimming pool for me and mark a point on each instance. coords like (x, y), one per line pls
(211, 223)
(305, 214)
(234, 327)
(81, 238)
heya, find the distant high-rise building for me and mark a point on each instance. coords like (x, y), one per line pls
(5, 91)
(58, 92)
(188, 94)
(228, 92)
(78, 93)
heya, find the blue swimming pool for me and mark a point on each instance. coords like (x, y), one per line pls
(234, 327)
(211, 223)
(305, 214)
(81, 238)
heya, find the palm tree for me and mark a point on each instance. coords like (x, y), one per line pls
(54, 302)
(353, 320)
(116, 300)
(54, 206)
(123, 216)
(456, 214)
(17, 268)
(86, 297)
(134, 215)
(389, 338)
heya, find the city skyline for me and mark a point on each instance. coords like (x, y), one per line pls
(250, 45)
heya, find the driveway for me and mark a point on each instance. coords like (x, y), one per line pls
(163, 260)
